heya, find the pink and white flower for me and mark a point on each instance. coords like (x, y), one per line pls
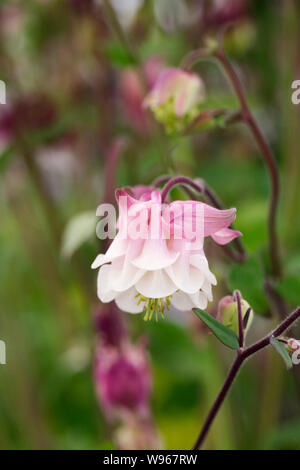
(176, 98)
(162, 262)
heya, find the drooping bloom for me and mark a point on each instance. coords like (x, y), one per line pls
(176, 98)
(157, 257)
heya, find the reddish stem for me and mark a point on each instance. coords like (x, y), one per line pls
(241, 356)
(268, 156)
(237, 296)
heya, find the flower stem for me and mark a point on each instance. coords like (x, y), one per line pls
(267, 154)
(201, 187)
(238, 298)
(219, 400)
(247, 117)
(118, 30)
(242, 354)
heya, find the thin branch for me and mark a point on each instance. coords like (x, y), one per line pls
(267, 154)
(242, 355)
(201, 187)
(238, 298)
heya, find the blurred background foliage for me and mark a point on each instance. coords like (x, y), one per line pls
(74, 92)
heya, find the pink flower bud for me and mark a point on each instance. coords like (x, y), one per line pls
(293, 344)
(132, 92)
(228, 313)
(176, 98)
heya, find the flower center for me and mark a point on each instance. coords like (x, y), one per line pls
(154, 306)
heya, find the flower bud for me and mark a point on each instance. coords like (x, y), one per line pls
(228, 313)
(176, 99)
(122, 379)
(292, 345)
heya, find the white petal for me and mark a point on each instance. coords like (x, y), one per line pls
(117, 248)
(199, 300)
(156, 284)
(124, 274)
(206, 288)
(155, 255)
(184, 302)
(187, 278)
(104, 289)
(181, 301)
(127, 302)
(200, 262)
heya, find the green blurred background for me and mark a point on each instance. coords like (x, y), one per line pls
(68, 104)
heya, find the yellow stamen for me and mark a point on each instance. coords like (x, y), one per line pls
(154, 306)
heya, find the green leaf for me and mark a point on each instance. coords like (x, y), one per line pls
(118, 55)
(224, 334)
(5, 157)
(79, 230)
(280, 348)
(289, 288)
(249, 279)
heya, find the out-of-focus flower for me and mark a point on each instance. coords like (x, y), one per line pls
(220, 12)
(137, 434)
(126, 10)
(11, 18)
(122, 379)
(175, 14)
(132, 91)
(82, 7)
(157, 257)
(292, 345)
(26, 114)
(228, 313)
(110, 325)
(176, 98)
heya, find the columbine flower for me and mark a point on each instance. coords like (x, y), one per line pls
(228, 313)
(176, 98)
(122, 379)
(157, 257)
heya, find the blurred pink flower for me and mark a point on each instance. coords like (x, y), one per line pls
(163, 261)
(185, 89)
(220, 12)
(176, 98)
(26, 114)
(109, 324)
(228, 313)
(122, 379)
(132, 91)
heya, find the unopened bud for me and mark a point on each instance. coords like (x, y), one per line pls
(228, 313)
(176, 99)
(292, 345)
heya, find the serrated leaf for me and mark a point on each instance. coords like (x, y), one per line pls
(224, 334)
(280, 348)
